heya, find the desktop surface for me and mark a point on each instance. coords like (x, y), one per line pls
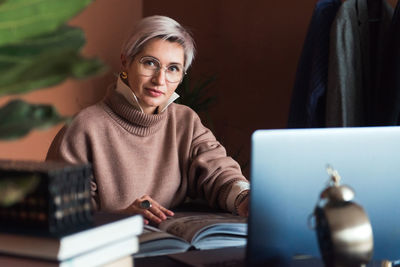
(223, 257)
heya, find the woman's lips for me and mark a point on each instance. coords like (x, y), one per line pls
(154, 92)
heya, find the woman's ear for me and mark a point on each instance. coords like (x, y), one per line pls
(123, 61)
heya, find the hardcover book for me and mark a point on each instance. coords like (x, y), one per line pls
(116, 254)
(193, 230)
(53, 197)
(107, 228)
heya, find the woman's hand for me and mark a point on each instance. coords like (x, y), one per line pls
(155, 213)
(243, 208)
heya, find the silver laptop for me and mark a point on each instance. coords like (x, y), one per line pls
(288, 172)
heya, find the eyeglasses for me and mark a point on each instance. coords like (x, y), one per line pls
(150, 66)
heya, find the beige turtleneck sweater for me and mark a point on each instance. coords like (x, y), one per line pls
(167, 156)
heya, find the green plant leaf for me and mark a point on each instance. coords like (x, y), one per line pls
(196, 96)
(21, 19)
(18, 118)
(44, 61)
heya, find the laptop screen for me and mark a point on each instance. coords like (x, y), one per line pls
(288, 173)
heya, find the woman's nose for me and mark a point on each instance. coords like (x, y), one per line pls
(159, 77)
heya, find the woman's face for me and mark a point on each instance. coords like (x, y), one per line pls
(150, 86)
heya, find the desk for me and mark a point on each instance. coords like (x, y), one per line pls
(214, 257)
(157, 261)
(195, 258)
(225, 254)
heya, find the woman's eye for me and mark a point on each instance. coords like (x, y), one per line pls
(174, 68)
(150, 63)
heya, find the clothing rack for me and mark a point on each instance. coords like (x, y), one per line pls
(363, 87)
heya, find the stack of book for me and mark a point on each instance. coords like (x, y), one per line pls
(110, 241)
(45, 197)
(46, 219)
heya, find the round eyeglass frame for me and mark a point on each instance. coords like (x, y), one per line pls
(156, 70)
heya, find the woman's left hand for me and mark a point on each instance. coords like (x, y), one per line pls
(243, 208)
(152, 211)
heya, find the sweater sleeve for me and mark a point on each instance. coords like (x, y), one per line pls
(213, 175)
(71, 145)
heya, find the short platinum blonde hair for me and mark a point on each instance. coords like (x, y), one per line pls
(159, 27)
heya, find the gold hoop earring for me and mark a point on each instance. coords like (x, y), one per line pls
(124, 75)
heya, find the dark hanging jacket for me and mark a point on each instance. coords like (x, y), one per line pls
(307, 108)
(387, 106)
(354, 67)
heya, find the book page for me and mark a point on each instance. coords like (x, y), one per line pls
(156, 242)
(151, 233)
(189, 224)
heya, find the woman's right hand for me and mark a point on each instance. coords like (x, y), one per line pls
(154, 214)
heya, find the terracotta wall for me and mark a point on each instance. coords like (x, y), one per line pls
(105, 24)
(251, 46)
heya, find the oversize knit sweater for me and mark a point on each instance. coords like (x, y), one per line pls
(168, 156)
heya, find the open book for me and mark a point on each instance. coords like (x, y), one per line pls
(193, 230)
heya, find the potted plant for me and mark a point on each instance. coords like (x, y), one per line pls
(37, 50)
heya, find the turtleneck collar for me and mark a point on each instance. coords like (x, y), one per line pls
(130, 117)
(128, 94)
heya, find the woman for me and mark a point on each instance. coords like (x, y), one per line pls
(148, 153)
